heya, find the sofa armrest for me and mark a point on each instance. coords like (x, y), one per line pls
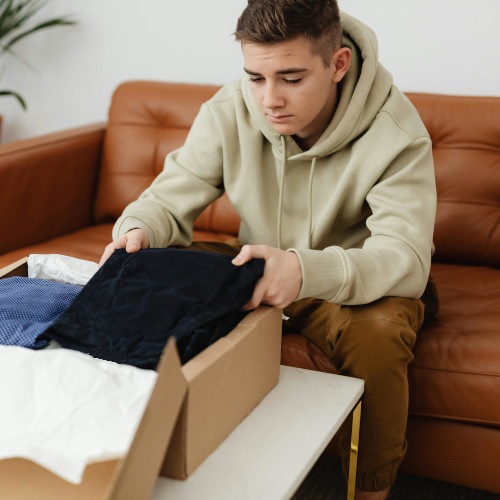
(47, 185)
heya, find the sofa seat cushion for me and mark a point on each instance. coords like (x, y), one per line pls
(456, 371)
(89, 243)
(298, 351)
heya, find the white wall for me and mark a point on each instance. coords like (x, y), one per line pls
(446, 46)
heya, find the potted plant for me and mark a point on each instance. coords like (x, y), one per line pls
(16, 23)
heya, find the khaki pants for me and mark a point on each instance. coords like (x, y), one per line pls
(373, 342)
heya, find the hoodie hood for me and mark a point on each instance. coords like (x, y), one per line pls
(364, 90)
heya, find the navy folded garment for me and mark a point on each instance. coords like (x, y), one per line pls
(135, 302)
(28, 306)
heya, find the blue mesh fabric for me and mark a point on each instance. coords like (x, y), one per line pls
(28, 306)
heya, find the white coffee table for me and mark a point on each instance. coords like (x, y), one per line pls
(270, 453)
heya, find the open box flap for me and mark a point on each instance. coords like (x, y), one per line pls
(18, 268)
(138, 471)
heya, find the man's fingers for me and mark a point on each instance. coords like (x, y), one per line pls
(133, 245)
(282, 280)
(258, 295)
(107, 253)
(249, 252)
(132, 241)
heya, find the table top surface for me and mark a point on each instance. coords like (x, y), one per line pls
(270, 453)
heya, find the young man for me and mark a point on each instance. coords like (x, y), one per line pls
(330, 169)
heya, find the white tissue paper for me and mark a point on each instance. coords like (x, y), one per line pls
(61, 268)
(64, 409)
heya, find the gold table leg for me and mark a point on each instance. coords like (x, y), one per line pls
(353, 454)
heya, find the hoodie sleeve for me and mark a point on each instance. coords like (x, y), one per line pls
(395, 259)
(190, 181)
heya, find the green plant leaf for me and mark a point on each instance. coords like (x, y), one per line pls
(15, 17)
(46, 24)
(11, 93)
(15, 14)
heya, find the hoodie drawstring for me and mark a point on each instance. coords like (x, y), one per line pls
(309, 194)
(282, 186)
(309, 203)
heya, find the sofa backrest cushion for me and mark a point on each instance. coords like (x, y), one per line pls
(147, 120)
(465, 133)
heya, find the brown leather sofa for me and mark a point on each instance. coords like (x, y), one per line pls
(60, 193)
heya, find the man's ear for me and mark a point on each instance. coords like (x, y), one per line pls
(341, 60)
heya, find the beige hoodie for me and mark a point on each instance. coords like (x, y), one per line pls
(358, 207)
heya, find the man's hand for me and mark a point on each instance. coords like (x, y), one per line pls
(280, 285)
(133, 241)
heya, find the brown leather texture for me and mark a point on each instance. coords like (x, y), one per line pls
(454, 452)
(87, 243)
(46, 192)
(465, 134)
(62, 192)
(147, 120)
(456, 371)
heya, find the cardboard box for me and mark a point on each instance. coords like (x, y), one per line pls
(191, 410)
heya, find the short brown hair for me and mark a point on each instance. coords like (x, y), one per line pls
(272, 21)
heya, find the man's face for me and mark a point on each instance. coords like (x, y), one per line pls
(293, 88)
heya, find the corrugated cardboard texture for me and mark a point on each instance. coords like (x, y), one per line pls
(225, 382)
(24, 480)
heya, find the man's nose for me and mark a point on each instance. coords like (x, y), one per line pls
(272, 97)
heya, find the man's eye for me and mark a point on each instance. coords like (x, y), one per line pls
(295, 81)
(256, 79)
